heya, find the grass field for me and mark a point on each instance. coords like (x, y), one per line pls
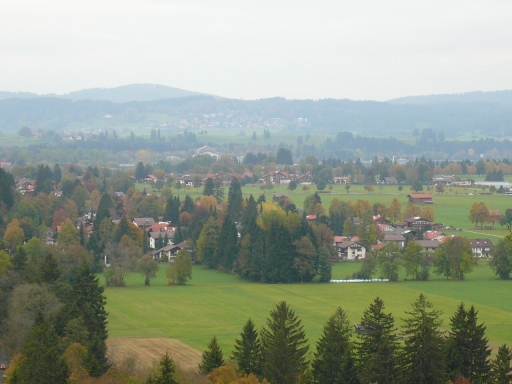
(214, 303)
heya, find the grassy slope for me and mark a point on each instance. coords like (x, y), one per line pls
(218, 304)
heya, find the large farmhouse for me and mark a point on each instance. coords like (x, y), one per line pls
(420, 198)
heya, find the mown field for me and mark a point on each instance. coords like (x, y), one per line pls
(214, 303)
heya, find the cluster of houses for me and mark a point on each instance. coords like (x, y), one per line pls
(349, 249)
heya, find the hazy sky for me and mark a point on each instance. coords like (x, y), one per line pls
(253, 49)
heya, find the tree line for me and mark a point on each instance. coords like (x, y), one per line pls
(418, 352)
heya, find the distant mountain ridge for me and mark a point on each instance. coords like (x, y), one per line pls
(501, 97)
(121, 94)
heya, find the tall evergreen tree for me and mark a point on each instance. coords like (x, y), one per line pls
(377, 343)
(209, 187)
(235, 199)
(227, 247)
(42, 362)
(284, 346)
(280, 252)
(207, 244)
(324, 266)
(501, 370)
(6, 188)
(172, 209)
(212, 357)
(423, 358)
(249, 216)
(467, 347)
(57, 173)
(247, 353)
(89, 301)
(218, 190)
(334, 360)
(165, 372)
(188, 205)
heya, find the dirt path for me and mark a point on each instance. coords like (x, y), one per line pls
(145, 351)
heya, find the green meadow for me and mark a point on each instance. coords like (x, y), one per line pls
(214, 303)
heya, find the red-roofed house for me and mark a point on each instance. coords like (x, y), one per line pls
(433, 235)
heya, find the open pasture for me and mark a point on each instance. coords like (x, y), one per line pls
(214, 303)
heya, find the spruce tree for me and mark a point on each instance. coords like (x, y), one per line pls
(208, 187)
(378, 342)
(89, 301)
(501, 370)
(280, 253)
(235, 199)
(467, 346)
(284, 346)
(42, 362)
(227, 247)
(324, 266)
(333, 361)
(247, 353)
(423, 358)
(249, 216)
(165, 372)
(212, 357)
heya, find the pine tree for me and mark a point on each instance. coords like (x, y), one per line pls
(467, 347)
(89, 301)
(501, 370)
(247, 353)
(280, 252)
(235, 199)
(42, 363)
(284, 346)
(249, 216)
(208, 187)
(49, 269)
(378, 342)
(324, 266)
(227, 247)
(423, 359)
(333, 361)
(212, 357)
(165, 372)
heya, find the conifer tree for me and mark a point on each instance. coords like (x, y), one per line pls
(42, 362)
(212, 357)
(467, 346)
(423, 358)
(284, 346)
(208, 187)
(280, 252)
(378, 342)
(188, 205)
(235, 199)
(165, 372)
(89, 301)
(227, 247)
(333, 361)
(247, 353)
(249, 216)
(501, 370)
(324, 267)
(207, 244)
(49, 269)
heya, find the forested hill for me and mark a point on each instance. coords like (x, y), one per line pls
(320, 116)
(132, 92)
(499, 97)
(122, 94)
